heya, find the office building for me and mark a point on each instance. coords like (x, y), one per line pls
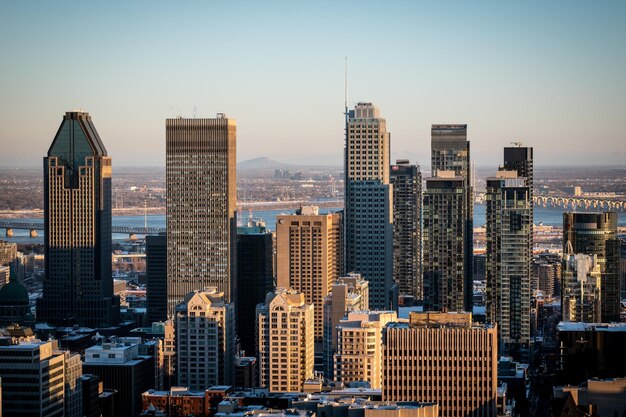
(596, 234)
(444, 235)
(349, 293)
(156, 278)
(73, 384)
(33, 378)
(444, 359)
(201, 207)
(205, 340)
(285, 333)
(91, 389)
(308, 258)
(582, 289)
(450, 152)
(122, 369)
(169, 355)
(77, 287)
(8, 252)
(509, 237)
(359, 347)
(591, 350)
(407, 228)
(369, 203)
(255, 273)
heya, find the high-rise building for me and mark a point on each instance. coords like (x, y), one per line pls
(582, 288)
(520, 159)
(201, 206)
(349, 293)
(285, 334)
(156, 278)
(308, 253)
(407, 228)
(205, 340)
(450, 152)
(8, 252)
(509, 259)
(596, 234)
(442, 358)
(255, 273)
(445, 243)
(359, 347)
(33, 378)
(369, 203)
(78, 285)
(121, 368)
(73, 403)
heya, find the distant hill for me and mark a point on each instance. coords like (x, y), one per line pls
(263, 163)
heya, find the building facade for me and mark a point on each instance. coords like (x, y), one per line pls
(359, 347)
(442, 359)
(450, 152)
(369, 203)
(349, 293)
(582, 289)
(308, 253)
(509, 259)
(407, 228)
(201, 206)
(286, 341)
(156, 278)
(255, 273)
(78, 285)
(33, 378)
(596, 234)
(205, 340)
(445, 244)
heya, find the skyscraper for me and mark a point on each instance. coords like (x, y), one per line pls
(201, 206)
(205, 340)
(78, 286)
(509, 259)
(369, 203)
(596, 234)
(582, 288)
(445, 243)
(255, 273)
(308, 253)
(407, 228)
(285, 337)
(450, 151)
(156, 277)
(442, 358)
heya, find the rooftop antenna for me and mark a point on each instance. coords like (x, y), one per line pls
(345, 89)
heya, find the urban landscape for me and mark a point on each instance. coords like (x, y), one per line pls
(445, 271)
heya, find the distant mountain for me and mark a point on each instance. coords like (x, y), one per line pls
(263, 163)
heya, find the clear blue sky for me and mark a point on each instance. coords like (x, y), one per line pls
(552, 74)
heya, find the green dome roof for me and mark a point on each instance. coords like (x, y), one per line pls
(13, 294)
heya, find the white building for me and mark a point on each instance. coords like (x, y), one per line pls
(285, 324)
(205, 340)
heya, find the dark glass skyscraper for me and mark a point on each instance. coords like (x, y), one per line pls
(78, 286)
(255, 275)
(596, 234)
(450, 159)
(156, 277)
(407, 228)
(509, 257)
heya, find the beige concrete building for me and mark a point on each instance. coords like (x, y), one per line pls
(442, 359)
(308, 251)
(359, 347)
(201, 207)
(349, 293)
(205, 340)
(285, 335)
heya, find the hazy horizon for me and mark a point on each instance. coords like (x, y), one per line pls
(549, 75)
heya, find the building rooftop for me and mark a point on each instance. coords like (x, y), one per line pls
(590, 327)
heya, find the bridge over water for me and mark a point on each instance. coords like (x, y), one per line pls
(34, 227)
(580, 203)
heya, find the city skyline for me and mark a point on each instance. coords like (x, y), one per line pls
(508, 71)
